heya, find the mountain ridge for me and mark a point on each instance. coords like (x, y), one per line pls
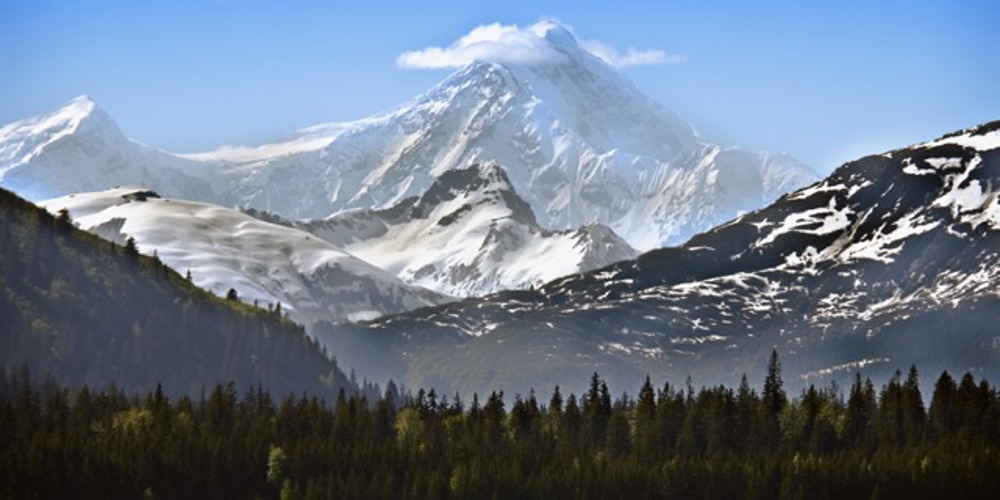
(79, 147)
(470, 233)
(873, 268)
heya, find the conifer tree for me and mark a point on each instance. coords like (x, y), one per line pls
(943, 421)
(773, 400)
(131, 250)
(914, 416)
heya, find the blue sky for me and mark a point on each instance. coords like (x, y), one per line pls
(825, 83)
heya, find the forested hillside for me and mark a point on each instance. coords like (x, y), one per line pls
(86, 311)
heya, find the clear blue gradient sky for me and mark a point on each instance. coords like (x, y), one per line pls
(825, 83)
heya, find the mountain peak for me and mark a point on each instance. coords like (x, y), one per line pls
(468, 235)
(479, 184)
(23, 140)
(556, 35)
(80, 115)
(477, 177)
(66, 118)
(79, 147)
(548, 27)
(492, 173)
(82, 104)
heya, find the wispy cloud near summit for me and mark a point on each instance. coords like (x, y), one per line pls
(631, 56)
(523, 45)
(490, 42)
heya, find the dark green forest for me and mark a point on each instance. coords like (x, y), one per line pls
(84, 310)
(668, 442)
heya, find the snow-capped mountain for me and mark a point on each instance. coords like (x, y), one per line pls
(581, 144)
(265, 263)
(892, 260)
(80, 148)
(469, 234)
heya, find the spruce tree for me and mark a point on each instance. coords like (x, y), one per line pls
(773, 400)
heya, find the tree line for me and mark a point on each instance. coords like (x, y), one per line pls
(663, 442)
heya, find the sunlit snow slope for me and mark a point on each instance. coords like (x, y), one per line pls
(80, 148)
(266, 263)
(580, 143)
(469, 234)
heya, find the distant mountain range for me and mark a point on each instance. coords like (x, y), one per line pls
(487, 235)
(892, 260)
(579, 143)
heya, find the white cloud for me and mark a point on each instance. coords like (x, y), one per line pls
(491, 42)
(513, 44)
(632, 56)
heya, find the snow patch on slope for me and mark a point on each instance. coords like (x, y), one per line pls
(979, 142)
(816, 221)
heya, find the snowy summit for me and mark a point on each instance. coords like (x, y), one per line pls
(580, 143)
